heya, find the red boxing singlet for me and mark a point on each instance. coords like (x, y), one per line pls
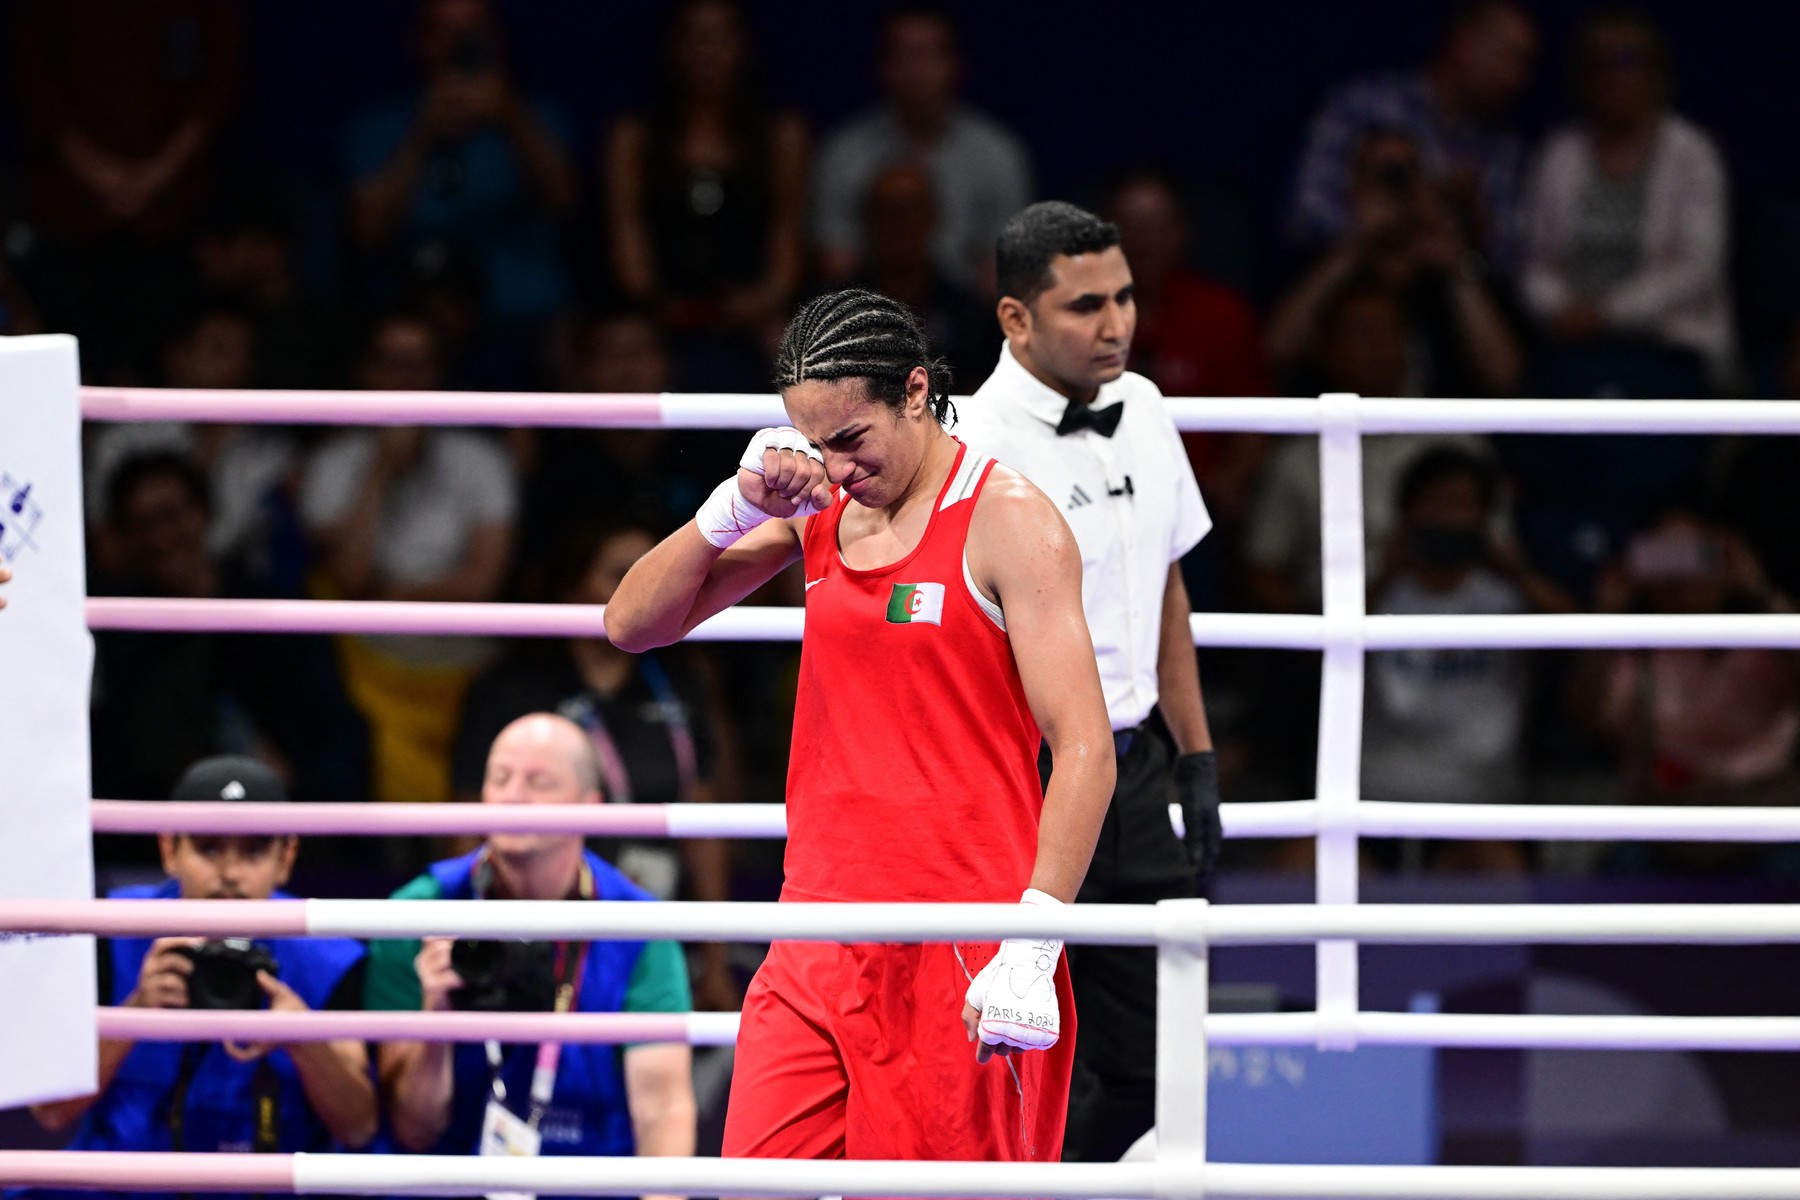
(914, 778)
(914, 769)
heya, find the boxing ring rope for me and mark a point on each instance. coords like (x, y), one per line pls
(1257, 631)
(695, 410)
(403, 1175)
(1184, 931)
(1465, 1030)
(1269, 819)
(1184, 922)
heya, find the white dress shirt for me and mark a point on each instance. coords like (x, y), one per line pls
(1131, 500)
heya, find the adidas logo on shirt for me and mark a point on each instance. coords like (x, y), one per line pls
(1079, 497)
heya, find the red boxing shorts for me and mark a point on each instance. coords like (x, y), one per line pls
(860, 1052)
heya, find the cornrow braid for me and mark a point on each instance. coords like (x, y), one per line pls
(859, 334)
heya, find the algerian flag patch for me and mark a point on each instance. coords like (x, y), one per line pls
(916, 604)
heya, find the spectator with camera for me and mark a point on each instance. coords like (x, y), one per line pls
(1458, 110)
(1404, 239)
(550, 1099)
(213, 1096)
(470, 159)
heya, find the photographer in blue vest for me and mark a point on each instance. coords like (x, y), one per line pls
(222, 1096)
(553, 1098)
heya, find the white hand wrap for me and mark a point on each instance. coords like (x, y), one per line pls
(1016, 992)
(725, 516)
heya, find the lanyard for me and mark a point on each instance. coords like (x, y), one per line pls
(585, 712)
(571, 969)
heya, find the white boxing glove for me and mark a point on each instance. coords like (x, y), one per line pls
(1016, 992)
(727, 515)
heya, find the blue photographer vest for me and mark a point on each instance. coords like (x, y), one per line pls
(588, 1113)
(141, 1110)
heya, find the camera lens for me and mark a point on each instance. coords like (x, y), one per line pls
(503, 976)
(224, 975)
(478, 963)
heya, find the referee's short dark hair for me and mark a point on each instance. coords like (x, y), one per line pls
(1037, 235)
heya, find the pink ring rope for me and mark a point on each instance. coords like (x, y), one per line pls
(140, 918)
(595, 820)
(625, 410)
(129, 1171)
(261, 1025)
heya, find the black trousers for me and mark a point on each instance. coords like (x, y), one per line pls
(1138, 860)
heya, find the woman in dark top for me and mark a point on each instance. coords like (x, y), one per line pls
(659, 736)
(705, 195)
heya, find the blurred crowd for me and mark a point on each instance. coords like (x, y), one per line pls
(1429, 246)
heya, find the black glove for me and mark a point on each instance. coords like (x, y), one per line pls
(1197, 786)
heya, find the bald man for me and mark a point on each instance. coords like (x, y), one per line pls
(531, 1099)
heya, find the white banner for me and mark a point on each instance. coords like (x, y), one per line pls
(47, 1034)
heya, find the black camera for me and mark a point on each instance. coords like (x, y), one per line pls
(504, 976)
(224, 974)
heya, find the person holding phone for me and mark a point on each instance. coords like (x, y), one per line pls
(468, 160)
(1701, 726)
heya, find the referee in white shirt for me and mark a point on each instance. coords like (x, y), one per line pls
(1061, 409)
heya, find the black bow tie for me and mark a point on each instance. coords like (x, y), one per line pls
(1078, 416)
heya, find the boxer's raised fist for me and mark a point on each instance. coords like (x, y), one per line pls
(783, 475)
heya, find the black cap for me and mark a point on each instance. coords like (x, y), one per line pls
(230, 777)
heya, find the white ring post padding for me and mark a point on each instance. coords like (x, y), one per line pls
(1181, 1053)
(1338, 769)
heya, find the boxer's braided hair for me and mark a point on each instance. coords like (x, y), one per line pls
(859, 334)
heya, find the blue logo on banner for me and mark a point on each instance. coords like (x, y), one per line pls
(20, 515)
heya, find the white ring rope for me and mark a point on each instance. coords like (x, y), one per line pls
(425, 1175)
(1184, 922)
(1267, 819)
(691, 410)
(1537, 1031)
(1182, 930)
(1519, 631)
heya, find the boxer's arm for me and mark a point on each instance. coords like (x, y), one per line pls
(685, 580)
(746, 532)
(1021, 547)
